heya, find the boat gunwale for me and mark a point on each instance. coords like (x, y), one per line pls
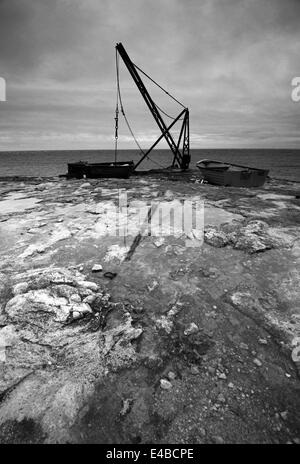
(229, 164)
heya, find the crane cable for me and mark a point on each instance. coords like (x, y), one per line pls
(119, 99)
(164, 90)
(171, 96)
(166, 114)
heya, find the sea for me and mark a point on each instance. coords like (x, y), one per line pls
(282, 163)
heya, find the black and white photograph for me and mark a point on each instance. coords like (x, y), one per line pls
(150, 225)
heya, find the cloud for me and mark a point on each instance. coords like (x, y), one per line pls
(231, 62)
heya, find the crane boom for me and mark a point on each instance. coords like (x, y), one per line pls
(181, 153)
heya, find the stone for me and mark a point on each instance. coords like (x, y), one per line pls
(171, 375)
(165, 323)
(221, 398)
(76, 315)
(169, 195)
(159, 242)
(57, 276)
(88, 285)
(75, 298)
(66, 291)
(243, 346)
(126, 406)
(85, 185)
(202, 432)
(215, 238)
(231, 385)
(251, 244)
(222, 376)
(165, 384)
(83, 308)
(152, 286)
(257, 362)
(263, 341)
(218, 440)
(89, 299)
(213, 271)
(195, 370)
(198, 235)
(97, 268)
(284, 415)
(191, 329)
(20, 288)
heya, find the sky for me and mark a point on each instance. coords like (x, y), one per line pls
(231, 62)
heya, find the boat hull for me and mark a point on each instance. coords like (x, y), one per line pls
(231, 175)
(100, 170)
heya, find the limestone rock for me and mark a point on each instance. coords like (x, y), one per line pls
(85, 185)
(165, 384)
(97, 268)
(191, 329)
(20, 288)
(215, 238)
(88, 285)
(257, 362)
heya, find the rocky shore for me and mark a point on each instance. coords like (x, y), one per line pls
(178, 344)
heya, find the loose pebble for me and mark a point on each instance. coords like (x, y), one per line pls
(257, 362)
(195, 370)
(218, 440)
(20, 288)
(171, 375)
(284, 415)
(191, 329)
(97, 268)
(243, 346)
(221, 398)
(202, 432)
(165, 384)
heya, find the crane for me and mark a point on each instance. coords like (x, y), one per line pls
(179, 148)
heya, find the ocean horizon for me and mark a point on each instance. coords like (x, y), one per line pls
(282, 163)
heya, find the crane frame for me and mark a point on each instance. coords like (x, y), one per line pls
(181, 148)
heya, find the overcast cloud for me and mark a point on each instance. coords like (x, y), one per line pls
(230, 61)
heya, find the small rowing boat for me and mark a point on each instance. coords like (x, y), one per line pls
(231, 175)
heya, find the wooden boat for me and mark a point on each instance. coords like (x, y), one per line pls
(81, 169)
(233, 175)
